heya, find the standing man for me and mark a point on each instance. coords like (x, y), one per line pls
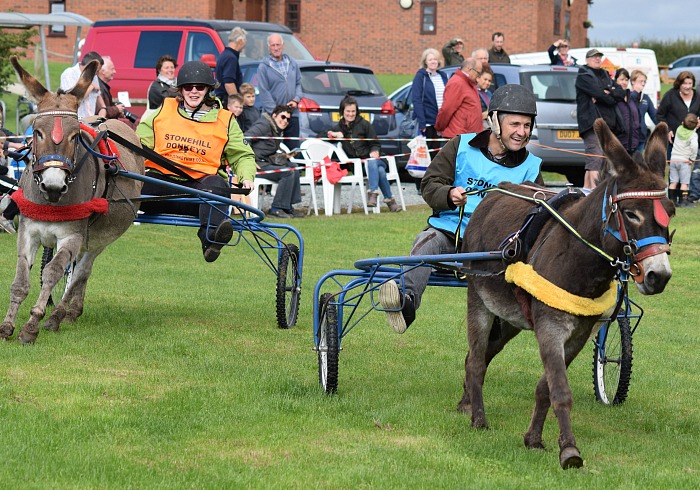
(596, 96)
(481, 54)
(452, 52)
(279, 82)
(468, 162)
(461, 106)
(497, 54)
(70, 77)
(110, 109)
(228, 69)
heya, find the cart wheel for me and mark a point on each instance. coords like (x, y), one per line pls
(612, 362)
(288, 292)
(60, 288)
(328, 345)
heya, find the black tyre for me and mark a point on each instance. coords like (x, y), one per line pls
(288, 292)
(60, 288)
(612, 365)
(328, 345)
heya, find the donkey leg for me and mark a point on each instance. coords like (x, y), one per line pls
(18, 293)
(53, 271)
(479, 323)
(82, 273)
(501, 333)
(533, 436)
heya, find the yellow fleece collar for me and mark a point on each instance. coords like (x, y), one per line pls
(526, 277)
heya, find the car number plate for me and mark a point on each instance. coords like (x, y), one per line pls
(335, 116)
(568, 134)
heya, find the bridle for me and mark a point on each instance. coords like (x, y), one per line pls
(72, 166)
(55, 160)
(636, 250)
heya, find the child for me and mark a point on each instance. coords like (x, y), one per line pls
(685, 147)
(250, 112)
(235, 104)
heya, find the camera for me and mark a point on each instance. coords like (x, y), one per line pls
(130, 116)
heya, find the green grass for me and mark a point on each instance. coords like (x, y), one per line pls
(176, 376)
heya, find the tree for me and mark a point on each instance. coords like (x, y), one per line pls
(11, 43)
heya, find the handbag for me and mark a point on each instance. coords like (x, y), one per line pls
(408, 127)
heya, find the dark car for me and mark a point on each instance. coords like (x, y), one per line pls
(324, 85)
(556, 128)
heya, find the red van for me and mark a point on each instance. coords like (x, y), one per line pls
(136, 44)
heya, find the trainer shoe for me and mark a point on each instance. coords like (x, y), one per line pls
(222, 235)
(398, 315)
(7, 225)
(279, 213)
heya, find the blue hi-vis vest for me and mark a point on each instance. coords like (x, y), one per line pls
(476, 172)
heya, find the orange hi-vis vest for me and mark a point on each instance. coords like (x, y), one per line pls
(196, 146)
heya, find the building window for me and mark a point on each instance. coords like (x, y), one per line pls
(428, 18)
(567, 25)
(57, 7)
(557, 17)
(293, 15)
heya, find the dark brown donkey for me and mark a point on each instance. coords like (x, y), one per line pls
(625, 218)
(67, 201)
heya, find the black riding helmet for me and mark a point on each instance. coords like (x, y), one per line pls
(195, 72)
(511, 99)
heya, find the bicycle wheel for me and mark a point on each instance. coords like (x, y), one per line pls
(288, 293)
(328, 345)
(612, 362)
(60, 288)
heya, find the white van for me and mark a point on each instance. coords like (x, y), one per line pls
(613, 58)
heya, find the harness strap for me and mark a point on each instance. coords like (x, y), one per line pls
(174, 167)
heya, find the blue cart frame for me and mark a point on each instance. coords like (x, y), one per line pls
(336, 314)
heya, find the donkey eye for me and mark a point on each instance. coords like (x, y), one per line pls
(632, 217)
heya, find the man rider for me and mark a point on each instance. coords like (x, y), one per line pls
(468, 162)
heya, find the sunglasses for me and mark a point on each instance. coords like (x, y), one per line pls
(283, 117)
(192, 86)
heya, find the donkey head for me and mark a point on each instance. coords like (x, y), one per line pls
(56, 130)
(636, 210)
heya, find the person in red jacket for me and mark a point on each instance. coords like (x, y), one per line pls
(461, 107)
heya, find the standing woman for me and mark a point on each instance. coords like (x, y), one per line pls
(629, 132)
(638, 81)
(677, 103)
(428, 88)
(199, 137)
(360, 142)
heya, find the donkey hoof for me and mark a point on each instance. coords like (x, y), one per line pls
(51, 325)
(570, 458)
(27, 338)
(6, 331)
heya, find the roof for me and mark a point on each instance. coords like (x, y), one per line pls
(217, 25)
(25, 21)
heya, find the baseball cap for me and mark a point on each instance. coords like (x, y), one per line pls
(593, 52)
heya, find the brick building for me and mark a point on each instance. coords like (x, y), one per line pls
(387, 35)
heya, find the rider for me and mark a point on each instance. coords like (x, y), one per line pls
(468, 162)
(199, 135)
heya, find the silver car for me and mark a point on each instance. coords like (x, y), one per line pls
(689, 63)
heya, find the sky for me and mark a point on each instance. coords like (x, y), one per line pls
(627, 21)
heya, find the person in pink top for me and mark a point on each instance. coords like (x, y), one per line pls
(461, 106)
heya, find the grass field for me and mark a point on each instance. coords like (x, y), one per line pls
(177, 377)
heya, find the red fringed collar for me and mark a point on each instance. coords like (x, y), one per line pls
(70, 212)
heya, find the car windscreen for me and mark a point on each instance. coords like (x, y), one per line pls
(551, 86)
(339, 81)
(256, 46)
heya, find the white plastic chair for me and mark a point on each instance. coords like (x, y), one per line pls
(316, 151)
(392, 174)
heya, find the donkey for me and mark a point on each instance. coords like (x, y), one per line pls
(625, 217)
(68, 201)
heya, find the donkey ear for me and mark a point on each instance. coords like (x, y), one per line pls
(33, 86)
(620, 160)
(86, 77)
(655, 152)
